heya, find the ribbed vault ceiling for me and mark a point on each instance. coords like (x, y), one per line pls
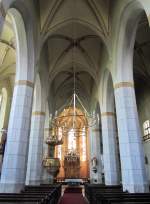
(7, 53)
(75, 34)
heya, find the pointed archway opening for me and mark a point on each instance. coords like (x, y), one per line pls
(73, 153)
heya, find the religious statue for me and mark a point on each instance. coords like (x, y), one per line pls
(94, 164)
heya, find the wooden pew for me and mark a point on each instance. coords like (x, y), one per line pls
(100, 194)
(33, 195)
(121, 197)
(92, 189)
(22, 200)
(127, 200)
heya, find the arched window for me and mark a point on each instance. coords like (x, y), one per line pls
(59, 133)
(1, 98)
(59, 149)
(71, 140)
(83, 158)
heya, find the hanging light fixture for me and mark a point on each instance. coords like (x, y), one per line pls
(74, 112)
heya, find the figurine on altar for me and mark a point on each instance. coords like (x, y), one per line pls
(94, 164)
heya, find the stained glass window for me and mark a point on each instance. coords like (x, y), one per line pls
(71, 140)
(83, 145)
(59, 148)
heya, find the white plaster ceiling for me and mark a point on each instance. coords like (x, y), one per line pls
(74, 33)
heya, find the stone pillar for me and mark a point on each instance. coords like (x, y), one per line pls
(110, 155)
(35, 155)
(15, 157)
(131, 150)
(46, 177)
(94, 142)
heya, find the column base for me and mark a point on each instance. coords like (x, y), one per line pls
(96, 178)
(47, 181)
(111, 178)
(47, 178)
(33, 182)
(136, 188)
(11, 188)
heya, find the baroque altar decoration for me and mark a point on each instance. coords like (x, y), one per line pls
(72, 165)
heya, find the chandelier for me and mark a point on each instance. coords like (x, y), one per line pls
(54, 137)
(74, 113)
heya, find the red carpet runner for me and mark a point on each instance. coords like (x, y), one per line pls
(72, 196)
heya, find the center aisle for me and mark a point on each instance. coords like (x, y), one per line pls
(72, 196)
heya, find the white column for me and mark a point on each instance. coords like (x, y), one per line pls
(94, 141)
(46, 178)
(35, 155)
(110, 156)
(15, 157)
(131, 150)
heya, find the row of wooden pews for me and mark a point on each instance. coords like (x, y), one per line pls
(44, 194)
(100, 194)
(91, 190)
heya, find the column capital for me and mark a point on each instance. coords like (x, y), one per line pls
(96, 130)
(47, 129)
(124, 84)
(24, 82)
(107, 114)
(38, 113)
